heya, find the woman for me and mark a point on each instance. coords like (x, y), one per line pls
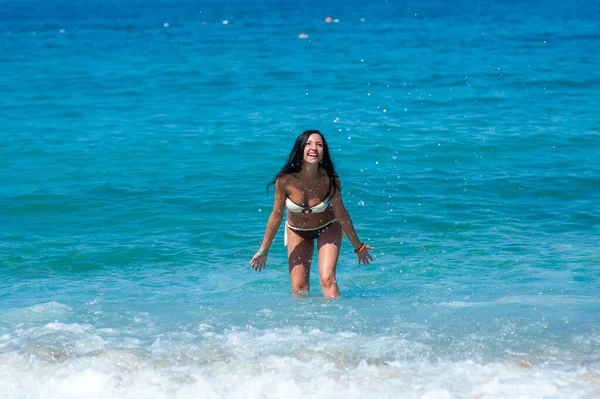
(309, 187)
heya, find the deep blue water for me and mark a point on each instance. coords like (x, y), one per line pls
(136, 140)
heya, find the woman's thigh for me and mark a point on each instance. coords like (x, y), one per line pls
(300, 253)
(329, 244)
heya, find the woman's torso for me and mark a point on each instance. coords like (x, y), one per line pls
(310, 207)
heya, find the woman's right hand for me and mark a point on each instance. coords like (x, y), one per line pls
(258, 262)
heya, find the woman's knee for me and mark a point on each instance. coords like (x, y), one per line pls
(300, 286)
(327, 279)
(300, 276)
(300, 282)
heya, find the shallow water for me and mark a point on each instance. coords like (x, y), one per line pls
(137, 139)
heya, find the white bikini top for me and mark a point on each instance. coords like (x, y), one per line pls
(319, 208)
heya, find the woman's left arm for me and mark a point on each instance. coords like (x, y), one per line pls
(341, 214)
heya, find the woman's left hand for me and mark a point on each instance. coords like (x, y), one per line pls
(364, 256)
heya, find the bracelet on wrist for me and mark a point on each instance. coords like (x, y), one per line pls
(262, 253)
(361, 248)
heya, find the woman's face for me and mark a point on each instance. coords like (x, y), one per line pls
(313, 151)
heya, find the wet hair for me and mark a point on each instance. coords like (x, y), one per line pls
(294, 161)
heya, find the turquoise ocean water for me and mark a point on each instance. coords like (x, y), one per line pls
(136, 139)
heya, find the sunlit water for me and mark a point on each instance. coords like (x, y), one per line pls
(136, 140)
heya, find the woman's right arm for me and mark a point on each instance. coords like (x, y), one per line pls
(259, 260)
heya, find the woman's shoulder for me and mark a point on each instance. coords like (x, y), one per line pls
(284, 180)
(335, 178)
(286, 177)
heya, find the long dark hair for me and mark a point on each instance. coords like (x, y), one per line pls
(294, 162)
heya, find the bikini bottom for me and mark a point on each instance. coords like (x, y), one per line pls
(307, 234)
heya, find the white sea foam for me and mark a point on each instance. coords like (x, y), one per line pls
(49, 311)
(129, 375)
(277, 363)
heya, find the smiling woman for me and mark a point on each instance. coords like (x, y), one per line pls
(310, 189)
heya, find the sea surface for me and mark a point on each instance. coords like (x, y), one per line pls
(136, 141)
